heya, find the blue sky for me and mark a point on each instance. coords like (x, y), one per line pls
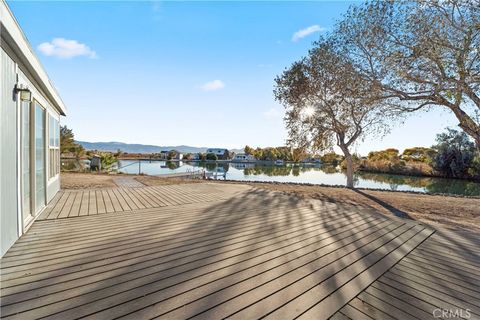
(193, 73)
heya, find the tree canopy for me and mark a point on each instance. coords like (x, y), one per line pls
(455, 155)
(67, 142)
(418, 54)
(328, 103)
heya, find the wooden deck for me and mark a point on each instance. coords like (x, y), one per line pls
(230, 251)
(440, 275)
(75, 203)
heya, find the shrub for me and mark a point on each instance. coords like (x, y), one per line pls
(108, 160)
(332, 158)
(211, 156)
(418, 154)
(455, 154)
(384, 161)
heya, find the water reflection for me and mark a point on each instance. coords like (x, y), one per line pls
(314, 174)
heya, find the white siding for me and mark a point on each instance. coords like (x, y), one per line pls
(8, 155)
(19, 65)
(53, 185)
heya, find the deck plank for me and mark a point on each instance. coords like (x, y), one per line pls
(425, 282)
(75, 210)
(58, 206)
(100, 202)
(108, 202)
(355, 285)
(123, 203)
(116, 299)
(85, 203)
(115, 201)
(92, 203)
(50, 206)
(211, 250)
(67, 207)
(136, 200)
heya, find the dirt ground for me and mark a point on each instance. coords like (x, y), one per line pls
(156, 181)
(446, 211)
(86, 180)
(100, 180)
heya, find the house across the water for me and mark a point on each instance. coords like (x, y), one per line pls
(29, 133)
(243, 157)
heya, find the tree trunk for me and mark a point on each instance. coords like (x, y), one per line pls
(471, 127)
(348, 158)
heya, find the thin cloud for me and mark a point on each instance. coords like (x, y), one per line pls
(306, 32)
(66, 49)
(213, 85)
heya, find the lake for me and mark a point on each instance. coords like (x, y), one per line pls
(314, 174)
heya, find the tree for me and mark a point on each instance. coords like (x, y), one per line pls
(211, 156)
(390, 154)
(455, 154)
(418, 154)
(419, 54)
(68, 144)
(172, 154)
(248, 150)
(258, 153)
(327, 103)
(331, 158)
(298, 154)
(108, 159)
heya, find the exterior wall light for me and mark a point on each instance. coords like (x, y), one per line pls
(25, 93)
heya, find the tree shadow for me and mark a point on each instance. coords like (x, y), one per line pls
(396, 212)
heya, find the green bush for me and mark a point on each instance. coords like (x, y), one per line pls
(332, 158)
(108, 160)
(418, 154)
(211, 156)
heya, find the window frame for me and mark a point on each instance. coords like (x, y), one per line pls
(53, 149)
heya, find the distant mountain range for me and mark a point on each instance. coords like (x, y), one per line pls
(141, 148)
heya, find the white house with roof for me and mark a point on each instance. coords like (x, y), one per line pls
(243, 157)
(29, 133)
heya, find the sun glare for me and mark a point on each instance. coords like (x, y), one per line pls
(309, 111)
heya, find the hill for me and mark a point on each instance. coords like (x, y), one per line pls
(140, 148)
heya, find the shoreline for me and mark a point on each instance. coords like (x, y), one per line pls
(344, 187)
(272, 163)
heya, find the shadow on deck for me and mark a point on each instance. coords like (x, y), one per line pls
(244, 253)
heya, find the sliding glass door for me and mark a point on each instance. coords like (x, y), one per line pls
(26, 156)
(40, 147)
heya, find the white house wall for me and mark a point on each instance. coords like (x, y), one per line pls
(10, 193)
(19, 65)
(53, 185)
(8, 155)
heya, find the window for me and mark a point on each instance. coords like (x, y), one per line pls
(54, 147)
(40, 148)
